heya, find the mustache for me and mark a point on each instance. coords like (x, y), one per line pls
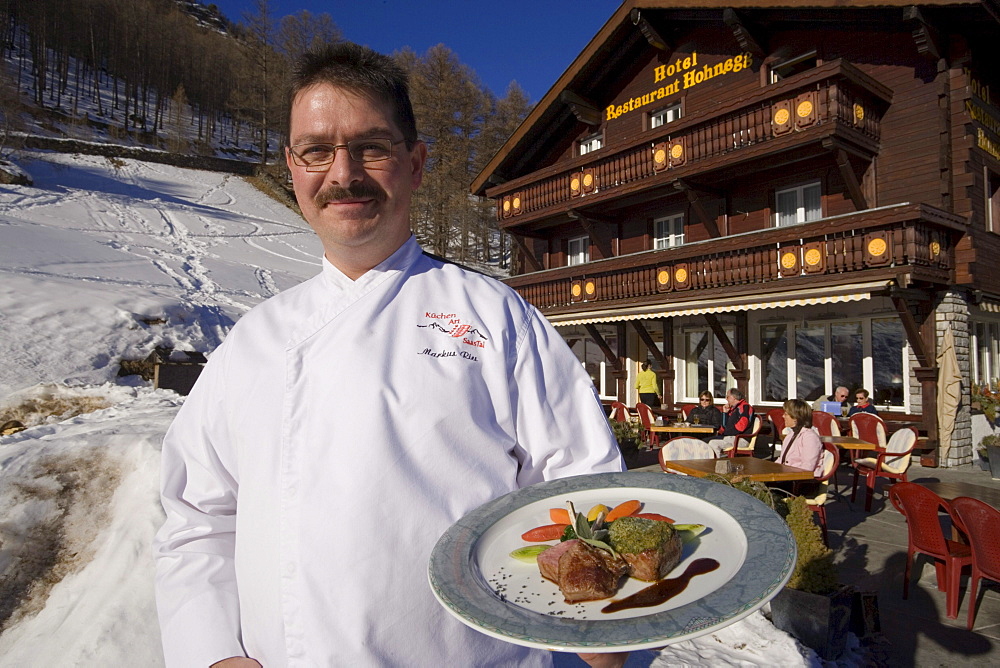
(361, 190)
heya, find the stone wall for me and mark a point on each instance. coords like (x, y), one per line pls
(141, 153)
(953, 313)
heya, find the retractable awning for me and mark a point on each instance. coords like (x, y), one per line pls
(768, 300)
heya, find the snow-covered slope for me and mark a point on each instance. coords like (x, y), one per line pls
(92, 259)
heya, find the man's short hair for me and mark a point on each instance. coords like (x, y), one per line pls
(735, 393)
(362, 71)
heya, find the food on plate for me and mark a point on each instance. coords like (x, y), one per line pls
(544, 533)
(594, 553)
(652, 548)
(623, 509)
(581, 571)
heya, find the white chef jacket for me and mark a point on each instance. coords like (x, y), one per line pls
(338, 431)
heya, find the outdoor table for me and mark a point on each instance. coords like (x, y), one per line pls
(752, 468)
(950, 490)
(849, 443)
(682, 429)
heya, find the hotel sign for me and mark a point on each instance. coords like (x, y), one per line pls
(679, 75)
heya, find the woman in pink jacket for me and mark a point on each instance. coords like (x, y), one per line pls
(801, 448)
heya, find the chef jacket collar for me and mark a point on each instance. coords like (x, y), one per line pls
(398, 261)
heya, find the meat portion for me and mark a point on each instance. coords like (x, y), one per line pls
(652, 548)
(654, 564)
(582, 572)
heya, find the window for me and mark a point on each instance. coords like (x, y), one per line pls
(664, 116)
(668, 232)
(591, 143)
(806, 360)
(992, 202)
(801, 204)
(783, 69)
(578, 251)
(593, 359)
(706, 365)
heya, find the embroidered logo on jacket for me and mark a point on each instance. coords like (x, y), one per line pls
(449, 324)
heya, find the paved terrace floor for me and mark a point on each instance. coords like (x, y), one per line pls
(870, 551)
(871, 554)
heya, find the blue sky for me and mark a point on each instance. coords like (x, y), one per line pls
(530, 41)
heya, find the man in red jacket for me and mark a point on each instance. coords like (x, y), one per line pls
(737, 421)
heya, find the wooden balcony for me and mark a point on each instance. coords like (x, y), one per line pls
(907, 243)
(834, 102)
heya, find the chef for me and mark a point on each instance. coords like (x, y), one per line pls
(346, 423)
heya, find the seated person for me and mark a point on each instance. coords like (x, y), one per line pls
(801, 447)
(705, 413)
(738, 421)
(862, 405)
(839, 394)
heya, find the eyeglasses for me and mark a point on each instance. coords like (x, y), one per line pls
(370, 149)
(706, 401)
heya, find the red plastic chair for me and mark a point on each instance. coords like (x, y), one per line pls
(619, 412)
(746, 443)
(920, 507)
(817, 500)
(776, 418)
(869, 428)
(979, 521)
(890, 463)
(825, 424)
(686, 410)
(646, 420)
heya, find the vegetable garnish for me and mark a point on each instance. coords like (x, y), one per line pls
(653, 516)
(544, 533)
(559, 516)
(623, 509)
(529, 553)
(591, 534)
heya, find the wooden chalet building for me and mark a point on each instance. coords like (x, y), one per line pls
(784, 199)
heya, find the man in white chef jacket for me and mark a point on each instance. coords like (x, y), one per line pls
(346, 423)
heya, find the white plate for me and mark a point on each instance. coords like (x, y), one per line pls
(474, 577)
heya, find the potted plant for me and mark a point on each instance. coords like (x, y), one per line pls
(814, 607)
(989, 450)
(627, 435)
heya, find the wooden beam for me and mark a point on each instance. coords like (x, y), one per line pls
(734, 355)
(643, 333)
(611, 356)
(925, 36)
(707, 220)
(912, 329)
(748, 36)
(584, 110)
(652, 35)
(603, 244)
(529, 256)
(850, 180)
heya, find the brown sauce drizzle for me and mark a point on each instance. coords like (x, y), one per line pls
(663, 590)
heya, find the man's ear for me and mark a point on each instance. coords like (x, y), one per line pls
(418, 158)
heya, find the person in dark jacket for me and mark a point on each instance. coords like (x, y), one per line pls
(863, 405)
(705, 413)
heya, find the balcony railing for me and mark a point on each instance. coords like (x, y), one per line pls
(835, 98)
(903, 239)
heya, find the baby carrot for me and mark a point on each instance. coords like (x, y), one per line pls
(544, 533)
(559, 515)
(654, 516)
(623, 510)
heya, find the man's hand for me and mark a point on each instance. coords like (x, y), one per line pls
(605, 660)
(236, 662)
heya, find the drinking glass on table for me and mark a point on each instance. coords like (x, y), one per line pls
(844, 411)
(696, 419)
